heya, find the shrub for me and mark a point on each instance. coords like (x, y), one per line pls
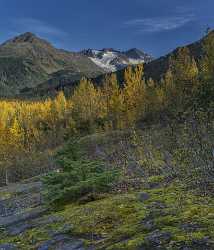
(77, 179)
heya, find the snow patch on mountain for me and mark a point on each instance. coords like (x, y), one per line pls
(105, 60)
(112, 60)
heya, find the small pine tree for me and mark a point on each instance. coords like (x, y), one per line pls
(76, 180)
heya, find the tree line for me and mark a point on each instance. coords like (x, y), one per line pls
(27, 127)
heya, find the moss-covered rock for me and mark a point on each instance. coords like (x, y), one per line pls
(172, 218)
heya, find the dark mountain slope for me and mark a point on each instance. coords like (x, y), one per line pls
(27, 60)
(136, 54)
(157, 68)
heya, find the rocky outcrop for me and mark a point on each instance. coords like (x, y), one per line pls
(24, 211)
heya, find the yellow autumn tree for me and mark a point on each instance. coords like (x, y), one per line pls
(134, 94)
(11, 147)
(113, 101)
(207, 62)
(169, 89)
(185, 72)
(58, 109)
(88, 108)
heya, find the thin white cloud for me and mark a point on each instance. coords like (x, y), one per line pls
(157, 24)
(39, 27)
(55, 35)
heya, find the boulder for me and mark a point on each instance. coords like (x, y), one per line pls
(143, 197)
(8, 247)
(157, 238)
(18, 218)
(62, 242)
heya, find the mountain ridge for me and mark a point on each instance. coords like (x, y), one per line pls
(67, 78)
(156, 69)
(28, 61)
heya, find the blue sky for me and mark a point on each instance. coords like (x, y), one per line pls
(156, 26)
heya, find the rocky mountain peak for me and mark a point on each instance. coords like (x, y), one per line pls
(27, 38)
(135, 53)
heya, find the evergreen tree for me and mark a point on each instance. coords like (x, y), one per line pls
(76, 180)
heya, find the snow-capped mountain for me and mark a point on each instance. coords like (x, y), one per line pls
(112, 60)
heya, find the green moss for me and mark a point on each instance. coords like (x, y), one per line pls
(168, 220)
(5, 195)
(118, 221)
(156, 179)
(129, 244)
(118, 216)
(198, 235)
(28, 240)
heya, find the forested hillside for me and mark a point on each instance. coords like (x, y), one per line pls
(125, 165)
